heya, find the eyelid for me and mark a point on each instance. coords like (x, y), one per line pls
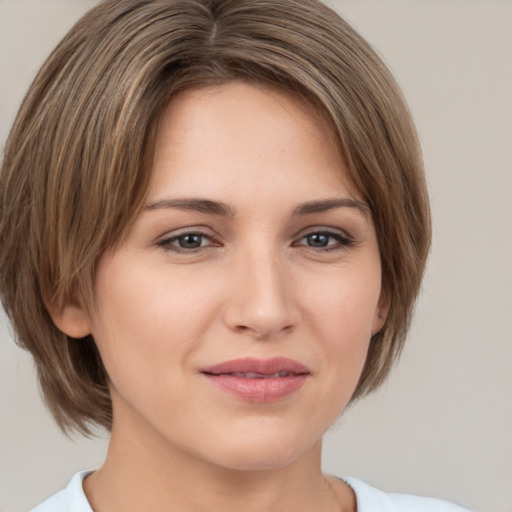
(326, 230)
(344, 239)
(166, 240)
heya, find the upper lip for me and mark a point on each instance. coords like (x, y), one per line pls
(258, 366)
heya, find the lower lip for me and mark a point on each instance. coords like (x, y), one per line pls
(258, 390)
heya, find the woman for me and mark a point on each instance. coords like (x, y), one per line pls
(227, 230)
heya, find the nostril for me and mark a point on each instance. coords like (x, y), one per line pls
(262, 334)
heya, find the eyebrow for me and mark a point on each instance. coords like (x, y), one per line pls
(219, 208)
(198, 205)
(330, 204)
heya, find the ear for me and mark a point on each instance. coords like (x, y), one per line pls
(71, 318)
(381, 313)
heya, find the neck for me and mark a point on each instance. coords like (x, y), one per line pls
(133, 479)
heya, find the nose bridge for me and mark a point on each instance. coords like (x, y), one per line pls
(262, 303)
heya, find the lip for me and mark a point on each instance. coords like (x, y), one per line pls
(264, 380)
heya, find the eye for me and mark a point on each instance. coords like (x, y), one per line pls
(186, 242)
(326, 240)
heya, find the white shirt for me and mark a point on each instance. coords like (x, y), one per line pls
(369, 499)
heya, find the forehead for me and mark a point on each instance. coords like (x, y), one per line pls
(216, 137)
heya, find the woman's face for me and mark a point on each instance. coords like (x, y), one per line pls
(234, 319)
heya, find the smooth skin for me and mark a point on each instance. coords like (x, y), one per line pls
(253, 243)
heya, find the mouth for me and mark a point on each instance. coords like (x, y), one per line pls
(252, 375)
(258, 380)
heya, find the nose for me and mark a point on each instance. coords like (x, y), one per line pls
(262, 303)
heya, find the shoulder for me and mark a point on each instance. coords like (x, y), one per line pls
(70, 499)
(370, 499)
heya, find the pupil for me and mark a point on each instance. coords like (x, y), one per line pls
(318, 240)
(190, 241)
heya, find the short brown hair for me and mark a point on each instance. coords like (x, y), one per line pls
(78, 159)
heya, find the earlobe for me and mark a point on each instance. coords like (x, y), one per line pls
(71, 318)
(381, 314)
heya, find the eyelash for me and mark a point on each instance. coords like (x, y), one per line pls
(168, 244)
(341, 242)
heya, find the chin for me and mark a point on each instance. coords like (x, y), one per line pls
(264, 454)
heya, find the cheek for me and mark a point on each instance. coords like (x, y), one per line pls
(341, 312)
(147, 319)
(343, 303)
(151, 299)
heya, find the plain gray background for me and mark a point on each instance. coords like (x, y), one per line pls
(442, 425)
